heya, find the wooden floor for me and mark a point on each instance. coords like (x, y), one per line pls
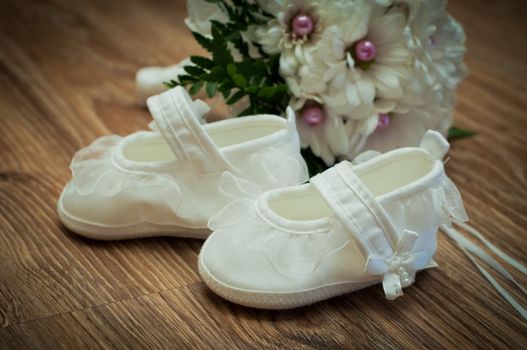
(66, 77)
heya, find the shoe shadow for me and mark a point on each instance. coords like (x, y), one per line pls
(128, 242)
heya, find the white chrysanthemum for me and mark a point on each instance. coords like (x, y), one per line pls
(325, 134)
(403, 124)
(296, 28)
(330, 64)
(408, 128)
(200, 13)
(356, 91)
(439, 45)
(356, 83)
(358, 131)
(409, 5)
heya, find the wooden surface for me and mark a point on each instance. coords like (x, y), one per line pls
(66, 77)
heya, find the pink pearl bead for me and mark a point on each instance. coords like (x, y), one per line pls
(384, 121)
(432, 41)
(365, 50)
(302, 25)
(313, 115)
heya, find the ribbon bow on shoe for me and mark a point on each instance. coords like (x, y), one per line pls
(399, 270)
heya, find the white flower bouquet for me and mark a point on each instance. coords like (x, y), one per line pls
(360, 74)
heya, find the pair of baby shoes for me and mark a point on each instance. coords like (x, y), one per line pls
(277, 241)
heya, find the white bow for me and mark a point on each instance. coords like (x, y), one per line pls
(399, 270)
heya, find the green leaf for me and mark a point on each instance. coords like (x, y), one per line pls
(216, 74)
(211, 88)
(263, 82)
(231, 70)
(258, 79)
(196, 87)
(225, 88)
(186, 79)
(181, 80)
(252, 89)
(246, 111)
(218, 30)
(220, 52)
(205, 42)
(236, 97)
(202, 62)
(272, 93)
(194, 71)
(274, 63)
(171, 84)
(266, 92)
(241, 46)
(315, 164)
(457, 133)
(260, 68)
(238, 79)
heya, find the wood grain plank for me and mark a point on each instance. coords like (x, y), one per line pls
(66, 77)
(193, 317)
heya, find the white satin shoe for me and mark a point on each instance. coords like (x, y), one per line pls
(165, 182)
(350, 227)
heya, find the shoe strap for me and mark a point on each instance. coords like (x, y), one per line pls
(176, 117)
(357, 209)
(388, 252)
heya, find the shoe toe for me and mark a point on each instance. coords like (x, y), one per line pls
(233, 265)
(74, 207)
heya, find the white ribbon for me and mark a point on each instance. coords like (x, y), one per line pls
(471, 249)
(399, 270)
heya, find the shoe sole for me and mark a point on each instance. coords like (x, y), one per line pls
(277, 300)
(139, 230)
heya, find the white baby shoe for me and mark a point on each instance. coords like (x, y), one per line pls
(350, 227)
(165, 182)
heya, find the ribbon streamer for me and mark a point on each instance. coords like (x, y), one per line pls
(471, 250)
